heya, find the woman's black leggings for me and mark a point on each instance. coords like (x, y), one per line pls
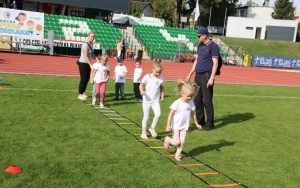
(85, 71)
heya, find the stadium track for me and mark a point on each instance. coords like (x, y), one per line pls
(66, 66)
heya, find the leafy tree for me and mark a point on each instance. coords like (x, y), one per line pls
(135, 10)
(165, 9)
(284, 10)
(218, 9)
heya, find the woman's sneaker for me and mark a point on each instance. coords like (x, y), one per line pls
(81, 97)
(84, 95)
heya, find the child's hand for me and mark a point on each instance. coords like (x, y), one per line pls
(91, 81)
(198, 126)
(143, 93)
(168, 128)
(162, 98)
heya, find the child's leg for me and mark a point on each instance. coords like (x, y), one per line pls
(182, 136)
(136, 90)
(157, 114)
(102, 91)
(94, 88)
(122, 86)
(146, 112)
(117, 90)
(97, 90)
(175, 140)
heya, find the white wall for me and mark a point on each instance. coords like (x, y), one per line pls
(237, 26)
(260, 12)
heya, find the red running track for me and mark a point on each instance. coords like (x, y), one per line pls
(66, 66)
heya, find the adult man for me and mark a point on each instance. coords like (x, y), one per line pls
(13, 5)
(205, 66)
(123, 52)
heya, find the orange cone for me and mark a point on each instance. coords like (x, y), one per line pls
(13, 169)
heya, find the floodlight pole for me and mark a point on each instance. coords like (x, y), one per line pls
(224, 21)
(210, 13)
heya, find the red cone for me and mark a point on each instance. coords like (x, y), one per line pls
(13, 169)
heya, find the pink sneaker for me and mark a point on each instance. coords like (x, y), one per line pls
(166, 144)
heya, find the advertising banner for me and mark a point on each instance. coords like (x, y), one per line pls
(58, 43)
(276, 62)
(20, 23)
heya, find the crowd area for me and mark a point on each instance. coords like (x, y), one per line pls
(195, 100)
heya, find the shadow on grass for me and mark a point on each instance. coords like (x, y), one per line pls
(229, 119)
(210, 147)
(233, 118)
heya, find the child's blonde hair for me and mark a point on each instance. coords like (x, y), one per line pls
(157, 64)
(104, 58)
(183, 86)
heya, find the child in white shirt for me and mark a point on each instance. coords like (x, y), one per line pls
(99, 75)
(179, 117)
(137, 78)
(154, 93)
(119, 77)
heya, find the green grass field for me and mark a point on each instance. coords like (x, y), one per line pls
(265, 47)
(60, 141)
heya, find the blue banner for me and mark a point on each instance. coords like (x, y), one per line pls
(276, 62)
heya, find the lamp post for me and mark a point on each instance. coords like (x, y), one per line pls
(224, 21)
(210, 13)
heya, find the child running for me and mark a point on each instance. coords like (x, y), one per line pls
(137, 77)
(153, 94)
(119, 77)
(179, 117)
(100, 75)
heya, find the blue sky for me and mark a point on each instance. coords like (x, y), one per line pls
(259, 2)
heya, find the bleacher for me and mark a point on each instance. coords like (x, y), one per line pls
(169, 42)
(76, 28)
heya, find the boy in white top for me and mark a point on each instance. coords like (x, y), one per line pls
(100, 75)
(179, 117)
(154, 93)
(119, 77)
(137, 78)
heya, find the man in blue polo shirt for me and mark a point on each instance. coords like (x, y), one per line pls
(205, 66)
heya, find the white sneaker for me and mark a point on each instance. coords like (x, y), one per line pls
(80, 97)
(94, 101)
(84, 96)
(144, 136)
(153, 132)
(101, 105)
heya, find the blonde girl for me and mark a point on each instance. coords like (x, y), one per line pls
(99, 75)
(152, 95)
(179, 117)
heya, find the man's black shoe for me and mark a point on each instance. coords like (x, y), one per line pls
(206, 129)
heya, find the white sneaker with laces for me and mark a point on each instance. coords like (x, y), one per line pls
(153, 132)
(80, 97)
(144, 136)
(94, 101)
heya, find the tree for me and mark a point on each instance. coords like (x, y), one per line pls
(135, 10)
(218, 8)
(283, 10)
(165, 9)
